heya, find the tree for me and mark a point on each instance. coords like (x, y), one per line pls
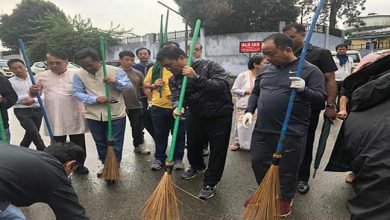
(69, 35)
(20, 24)
(235, 16)
(348, 10)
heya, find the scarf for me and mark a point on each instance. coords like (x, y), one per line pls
(343, 59)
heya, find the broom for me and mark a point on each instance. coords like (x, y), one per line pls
(111, 165)
(30, 73)
(162, 204)
(2, 130)
(265, 203)
(157, 72)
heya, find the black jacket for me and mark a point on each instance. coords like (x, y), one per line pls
(207, 96)
(367, 139)
(28, 176)
(9, 98)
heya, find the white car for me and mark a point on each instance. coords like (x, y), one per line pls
(41, 66)
(4, 70)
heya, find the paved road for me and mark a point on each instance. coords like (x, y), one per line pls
(326, 200)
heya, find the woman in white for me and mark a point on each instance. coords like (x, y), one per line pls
(242, 89)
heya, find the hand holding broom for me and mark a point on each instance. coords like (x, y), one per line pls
(162, 204)
(30, 73)
(265, 203)
(111, 165)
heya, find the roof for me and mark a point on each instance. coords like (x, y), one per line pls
(376, 33)
(375, 15)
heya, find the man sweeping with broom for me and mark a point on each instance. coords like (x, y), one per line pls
(89, 88)
(271, 96)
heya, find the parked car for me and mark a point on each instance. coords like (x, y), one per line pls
(41, 66)
(354, 54)
(4, 70)
(113, 62)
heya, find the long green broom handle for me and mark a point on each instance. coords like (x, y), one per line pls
(107, 88)
(299, 73)
(161, 37)
(166, 28)
(183, 91)
(2, 130)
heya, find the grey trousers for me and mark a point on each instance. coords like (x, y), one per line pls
(262, 148)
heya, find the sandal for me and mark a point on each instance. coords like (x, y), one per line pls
(235, 147)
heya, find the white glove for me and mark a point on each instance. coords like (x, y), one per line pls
(297, 83)
(247, 119)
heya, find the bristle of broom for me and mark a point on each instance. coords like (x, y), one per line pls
(162, 204)
(111, 166)
(265, 203)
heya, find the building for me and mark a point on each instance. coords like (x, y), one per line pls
(375, 35)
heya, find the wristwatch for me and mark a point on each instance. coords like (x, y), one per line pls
(196, 76)
(331, 106)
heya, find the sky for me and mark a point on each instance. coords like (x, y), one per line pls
(143, 16)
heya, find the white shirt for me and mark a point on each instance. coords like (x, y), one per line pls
(21, 87)
(343, 71)
(65, 113)
(244, 82)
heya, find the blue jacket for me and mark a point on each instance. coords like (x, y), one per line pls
(143, 68)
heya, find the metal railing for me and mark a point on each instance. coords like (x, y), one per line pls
(381, 45)
(175, 35)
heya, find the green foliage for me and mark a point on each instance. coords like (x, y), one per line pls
(235, 16)
(20, 23)
(69, 35)
(348, 10)
(50, 29)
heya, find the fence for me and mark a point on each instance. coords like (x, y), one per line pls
(376, 45)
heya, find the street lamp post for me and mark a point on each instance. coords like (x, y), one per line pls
(186, 22)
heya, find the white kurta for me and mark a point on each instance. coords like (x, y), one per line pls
(65, 113)
(244, 82)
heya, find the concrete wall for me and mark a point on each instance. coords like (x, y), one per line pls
(223, 49)
(376, 20)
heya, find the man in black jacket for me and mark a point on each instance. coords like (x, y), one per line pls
(29, 176)
(8, 98)
(210, 107)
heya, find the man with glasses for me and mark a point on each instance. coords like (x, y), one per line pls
(89, 88)
(65, 113)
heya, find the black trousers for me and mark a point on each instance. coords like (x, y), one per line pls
(137, 124)
(78, 139)
(30, 119)
(304, 171)
(216, 131)
(147, 118)
(263, 146)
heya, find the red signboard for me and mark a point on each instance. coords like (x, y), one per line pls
(250, 47)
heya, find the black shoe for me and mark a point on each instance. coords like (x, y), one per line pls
(303, 187)
(207, 192)
(81, 170)
(189, 174)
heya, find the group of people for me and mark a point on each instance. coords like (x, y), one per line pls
(75, 103)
